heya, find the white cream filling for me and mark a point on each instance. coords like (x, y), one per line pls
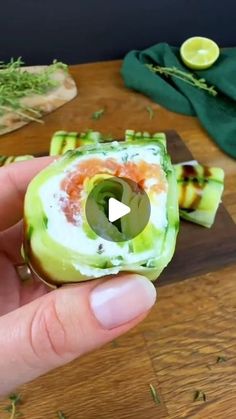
(134, 154)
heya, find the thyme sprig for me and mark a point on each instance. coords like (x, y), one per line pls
(15, 400)
(184, 76)
(17, 83)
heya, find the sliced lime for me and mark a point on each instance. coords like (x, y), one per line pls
(199, 53)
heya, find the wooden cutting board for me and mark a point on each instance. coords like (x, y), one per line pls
(64, 92)
(199, 250)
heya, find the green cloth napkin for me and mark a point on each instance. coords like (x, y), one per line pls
(217, 114)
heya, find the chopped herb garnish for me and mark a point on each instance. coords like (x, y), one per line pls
(154, 394)
(184, 76)
(199, 396)
(150, 112)
(155, 152)
(61, 415)
(98, 114)
(221, 359)
(125, 158)
(100, 249)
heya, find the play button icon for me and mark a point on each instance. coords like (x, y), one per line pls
(117, 209)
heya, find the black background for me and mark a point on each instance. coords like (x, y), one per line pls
(79, 31)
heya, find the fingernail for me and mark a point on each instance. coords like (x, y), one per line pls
(118, 301)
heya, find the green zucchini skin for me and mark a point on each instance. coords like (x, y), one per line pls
(200, 190)
(6, 160)
(63, 141)
(56, 264)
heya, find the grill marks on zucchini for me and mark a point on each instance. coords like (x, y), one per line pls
(190, 179)
(199, 192)
(63, 141)
(190, 176)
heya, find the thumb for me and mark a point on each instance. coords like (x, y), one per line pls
(67, 323)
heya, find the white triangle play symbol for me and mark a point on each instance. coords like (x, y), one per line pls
(116, 210)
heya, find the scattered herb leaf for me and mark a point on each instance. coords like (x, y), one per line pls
(61, 415)
(182, 75)
(221, 359)
(150, 112)
(199, 396)
(17, 83)
(154, 394)
(98, 114)
(15, 400)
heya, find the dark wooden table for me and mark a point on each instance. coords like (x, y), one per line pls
(193, 322)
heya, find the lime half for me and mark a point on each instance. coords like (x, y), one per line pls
(199, 53)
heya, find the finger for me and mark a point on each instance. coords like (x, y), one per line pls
(68, 323)
(11, 241)
(13, 291)
(9, 286)
(14, 180)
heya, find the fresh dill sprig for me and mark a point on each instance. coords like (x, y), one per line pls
(184, 76)
(17, 83)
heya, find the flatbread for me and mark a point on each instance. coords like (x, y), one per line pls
(46, 103)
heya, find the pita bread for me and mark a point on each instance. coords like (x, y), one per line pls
(55, 98)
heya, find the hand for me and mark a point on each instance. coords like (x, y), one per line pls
(41, 330)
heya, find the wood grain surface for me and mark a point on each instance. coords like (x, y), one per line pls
(193, 323)
(199, 250)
